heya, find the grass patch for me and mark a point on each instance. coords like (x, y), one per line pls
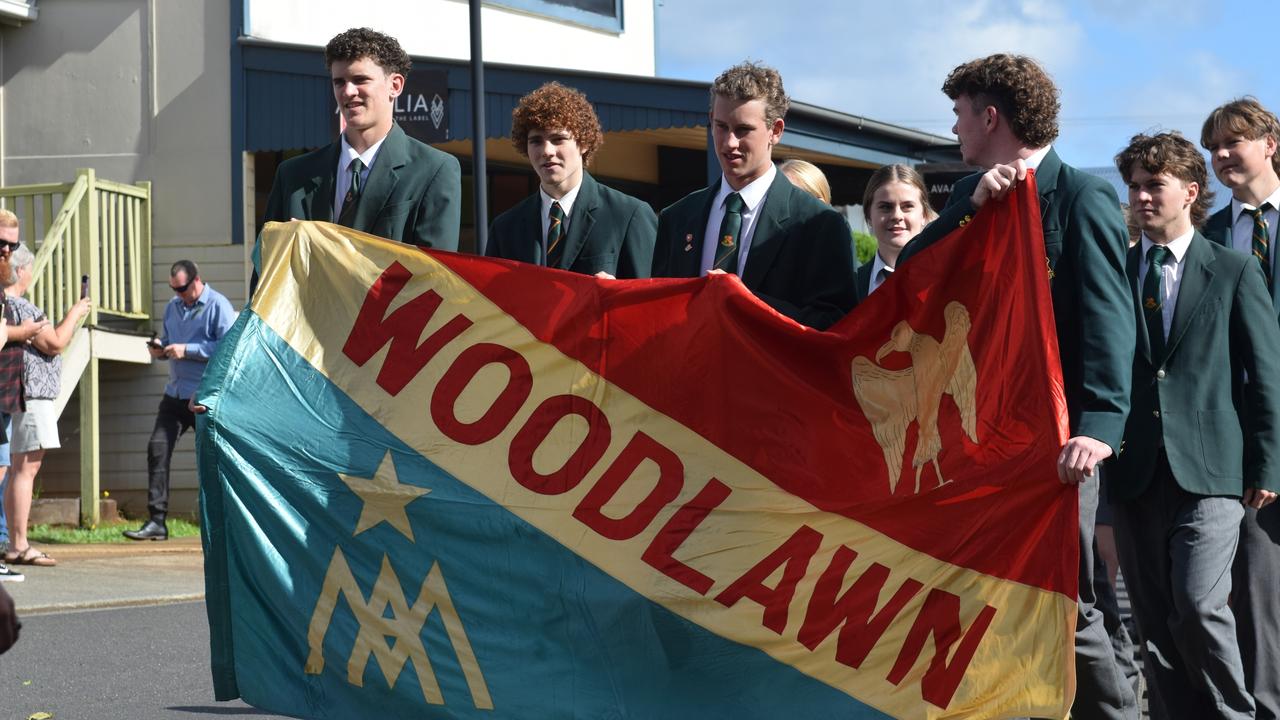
(104, 533)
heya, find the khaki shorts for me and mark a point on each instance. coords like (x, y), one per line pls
(35, 429)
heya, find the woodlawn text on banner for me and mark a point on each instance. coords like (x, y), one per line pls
(438, 485)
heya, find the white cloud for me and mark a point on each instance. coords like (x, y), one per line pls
(883, 60)
(1122, 66)
(1155, 16)
(1176, 94)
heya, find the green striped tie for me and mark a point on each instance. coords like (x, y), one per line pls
(730, 229)
(1153, 298)
(352, 199)
(1261, 239)
(555, 234)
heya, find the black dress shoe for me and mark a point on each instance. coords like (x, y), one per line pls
(152, 530)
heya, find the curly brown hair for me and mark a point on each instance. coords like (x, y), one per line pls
(753, 81)
(553, 107)
(356, 43)
(1017, 87)
(1245, 117)
(1172, 154)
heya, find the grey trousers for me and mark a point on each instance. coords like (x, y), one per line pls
(1256, 604)
(1121, 643)
(1176, 550)
(1104, 677)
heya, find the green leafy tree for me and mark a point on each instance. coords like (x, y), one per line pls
(864, 247)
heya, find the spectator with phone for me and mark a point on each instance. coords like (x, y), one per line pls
(35, 427)
(195, 321)
(16, 336)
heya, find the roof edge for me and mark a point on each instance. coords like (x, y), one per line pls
(18, 12)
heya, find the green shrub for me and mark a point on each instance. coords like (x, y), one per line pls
(864, 247)
(105, 533)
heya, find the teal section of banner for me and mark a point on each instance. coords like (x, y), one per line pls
(314, 615)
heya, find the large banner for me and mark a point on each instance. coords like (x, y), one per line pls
(445, 486)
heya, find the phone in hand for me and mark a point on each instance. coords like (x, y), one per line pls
(84, 286)
(155, 343)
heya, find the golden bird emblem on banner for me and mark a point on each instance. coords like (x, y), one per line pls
(893, 399)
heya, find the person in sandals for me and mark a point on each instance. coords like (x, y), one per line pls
(35, 429)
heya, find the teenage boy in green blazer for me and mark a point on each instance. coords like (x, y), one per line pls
(572, 222)
(1242, 137)
(790, 249)
(1199, 436)
(1006, 109)
(375, 179)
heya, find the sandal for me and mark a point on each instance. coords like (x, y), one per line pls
(30, 556)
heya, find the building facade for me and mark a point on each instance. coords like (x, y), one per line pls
(204, 98)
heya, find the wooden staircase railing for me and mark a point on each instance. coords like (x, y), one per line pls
(101, 229)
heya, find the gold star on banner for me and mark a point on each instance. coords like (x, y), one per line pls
(385, 498)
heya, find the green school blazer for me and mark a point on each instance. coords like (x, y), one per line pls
(1221, 435)
(800, 259)
(608, 230)
(1085, 241)
(1218, 229)
(413, 193)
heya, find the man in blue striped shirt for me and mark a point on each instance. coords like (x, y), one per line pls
(194, 322)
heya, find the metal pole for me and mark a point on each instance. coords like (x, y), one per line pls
(479, 170)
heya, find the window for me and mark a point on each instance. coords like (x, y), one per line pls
(597, 14)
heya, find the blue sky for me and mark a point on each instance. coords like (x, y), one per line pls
(1123, 66)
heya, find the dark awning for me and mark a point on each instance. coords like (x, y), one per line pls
(289, 106)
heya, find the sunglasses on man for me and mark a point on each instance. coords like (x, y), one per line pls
(182, 288)
(9, 246)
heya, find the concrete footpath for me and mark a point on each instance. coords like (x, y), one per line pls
(111, 575)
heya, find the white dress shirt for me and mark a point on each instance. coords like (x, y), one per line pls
(1242, 228)
(876, 266)
(753, 196)
(1172, 274)
(1037, 157)
(343, 177)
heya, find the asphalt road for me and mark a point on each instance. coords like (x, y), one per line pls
(134, 663)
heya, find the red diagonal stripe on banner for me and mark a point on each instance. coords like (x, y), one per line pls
(778, 396)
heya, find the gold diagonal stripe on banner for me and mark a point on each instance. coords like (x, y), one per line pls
(321, 271)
